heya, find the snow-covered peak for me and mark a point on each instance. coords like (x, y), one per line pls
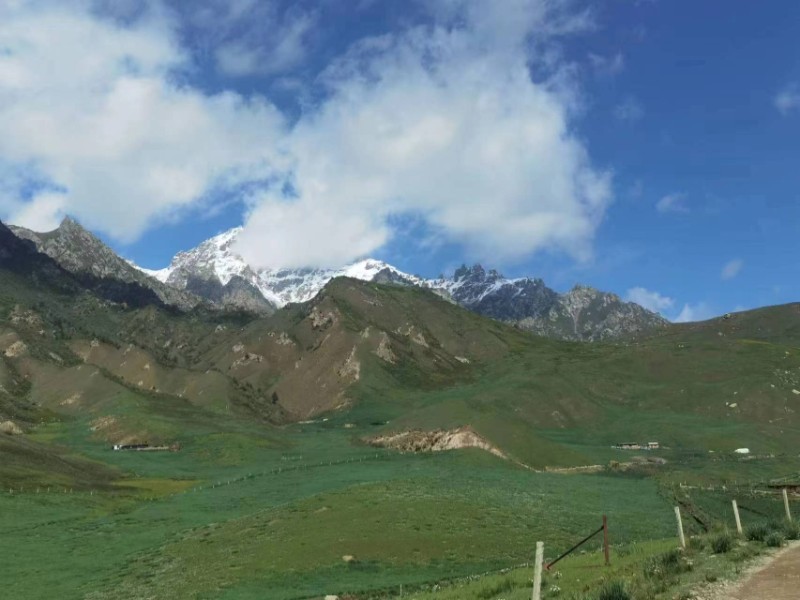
(216, 259)
(582, 313)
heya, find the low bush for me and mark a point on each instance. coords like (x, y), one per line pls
(666, 565)
(697, 542)
(757, 532)
(791, 530)
(722, 543)
(614, 590)
(775, 539)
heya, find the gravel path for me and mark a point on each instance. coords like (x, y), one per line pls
(775, 578)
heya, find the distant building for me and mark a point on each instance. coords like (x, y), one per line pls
(638, 446)
(131, 446)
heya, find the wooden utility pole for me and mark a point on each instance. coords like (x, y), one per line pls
(605, 540)
(680, 526)
(786, 504)
(736, 516)
(537, 571)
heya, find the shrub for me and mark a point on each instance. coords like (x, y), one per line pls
(744, 553)
(614, 590)
(757, 532)
(791, 530)
(697, 542)
(775, 539)
(666, 565)
(722, 543)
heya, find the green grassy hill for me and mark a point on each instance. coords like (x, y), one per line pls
(277, 491)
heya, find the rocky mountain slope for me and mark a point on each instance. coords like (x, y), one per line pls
(581, 314)
(399, 356)
(80, 252)
(214, 273)
(217, 260)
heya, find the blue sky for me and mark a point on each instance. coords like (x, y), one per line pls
(646, 147)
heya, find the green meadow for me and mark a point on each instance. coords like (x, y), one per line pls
(259, 502)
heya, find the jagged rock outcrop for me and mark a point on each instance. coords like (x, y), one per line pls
(80, 252)
(583, 313)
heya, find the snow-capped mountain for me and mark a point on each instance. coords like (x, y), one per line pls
(215, 275)
(581, 314)
(216, 260)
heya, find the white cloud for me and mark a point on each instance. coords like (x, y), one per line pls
(42, 213)
(788, 99)
(252, 37)
(731, 269)
(442, 122)
(629, 110)
(91, 106)
(287, 48)
(649, 299)
(446, 123)
(657, 302)
(694, 312)
(675, 203)
(607, 66)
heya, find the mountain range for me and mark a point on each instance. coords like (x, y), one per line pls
(296, 435)
(214, 275)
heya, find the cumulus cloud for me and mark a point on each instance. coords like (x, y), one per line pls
(445, 123)
(674, 203)
(649, 299)
(667, 306)
(92, 106)
(731, 269)
(694, 312)
(788, 99)
(42, 213)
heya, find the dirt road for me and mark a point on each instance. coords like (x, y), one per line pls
(776, 579)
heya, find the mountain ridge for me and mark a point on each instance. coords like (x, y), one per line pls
(214, 273)
(583, 313)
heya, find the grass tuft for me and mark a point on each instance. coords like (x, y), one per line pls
(791, 530)
(757, 532)
(722, 543)
(775, 539)
(666, 565)
(614, 590)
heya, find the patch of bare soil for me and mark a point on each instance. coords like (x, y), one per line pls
(10, 428)
(774, 577)
(18, 348)
(435, 441)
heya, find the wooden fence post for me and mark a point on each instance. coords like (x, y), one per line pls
(605, 540)
(736, 516)
(537, 571)
(680, 526)
(786, 504)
